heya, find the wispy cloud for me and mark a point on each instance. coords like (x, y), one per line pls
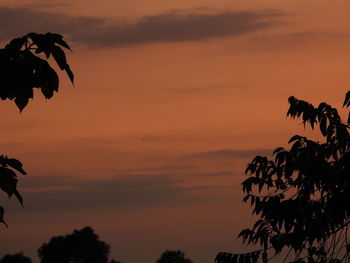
(174, 26)
(230, 153)
(128, 191)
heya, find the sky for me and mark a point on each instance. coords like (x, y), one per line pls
(172, 99)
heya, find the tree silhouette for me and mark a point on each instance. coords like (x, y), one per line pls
(15, 258)
(171, 256)
(23, 67)
(82, 246)
(302, 196)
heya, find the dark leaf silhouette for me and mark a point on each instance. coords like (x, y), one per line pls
(2, 216)
(347, 100)
(22, 68)
(302, 196)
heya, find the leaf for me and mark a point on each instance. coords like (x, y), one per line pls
(245, 199)
(323, 125)
(70, 74)
(42, 43)
(19, 197)
(8, 181)
(294, 138)
(2, 216)
(58, 39)
(347, 100)
(59, 56)
(48, 80)
(16, 44)
(21, 102)
(15, 164)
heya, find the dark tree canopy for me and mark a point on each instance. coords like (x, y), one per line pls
(171, 256)
(82, 246)
(23, 67)
(15, 258)
(302, 196)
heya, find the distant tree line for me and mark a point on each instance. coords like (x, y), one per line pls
(83, 246)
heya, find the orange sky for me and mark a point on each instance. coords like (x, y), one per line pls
(207, 95)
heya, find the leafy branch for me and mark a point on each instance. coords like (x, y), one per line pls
(303, 200)
(22, 69)
(24, 66)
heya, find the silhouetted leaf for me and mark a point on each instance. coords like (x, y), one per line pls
(15, 164)
(2, 216)
(58, 39)
(70, 74)
(347, 100)
(21, 102)
(48, 80)
(16, 44)
(59, 56)
(19, 197)
(294, 138)
(8, 181)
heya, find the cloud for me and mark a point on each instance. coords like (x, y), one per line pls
(230, 153)
(121, 192)
(174, 26)
(295, 38)
(180, 182)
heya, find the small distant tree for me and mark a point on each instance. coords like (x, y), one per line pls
(173, 256)
(15, 258)
(82, 246)
(302, 196)
(24, 66)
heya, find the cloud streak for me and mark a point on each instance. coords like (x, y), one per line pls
(230, 154)
(182, 182)
(122, 192)
(174, 26)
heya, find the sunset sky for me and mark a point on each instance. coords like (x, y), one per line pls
(171, 101)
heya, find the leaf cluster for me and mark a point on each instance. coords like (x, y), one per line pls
(24, 66)
(302, 196)
(8, 180)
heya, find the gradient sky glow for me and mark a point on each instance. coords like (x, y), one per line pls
(172, 99)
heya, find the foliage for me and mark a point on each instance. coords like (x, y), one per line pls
(15, 258)
(171, 256)
(302, 196)
(82, 246)
(22, 69)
